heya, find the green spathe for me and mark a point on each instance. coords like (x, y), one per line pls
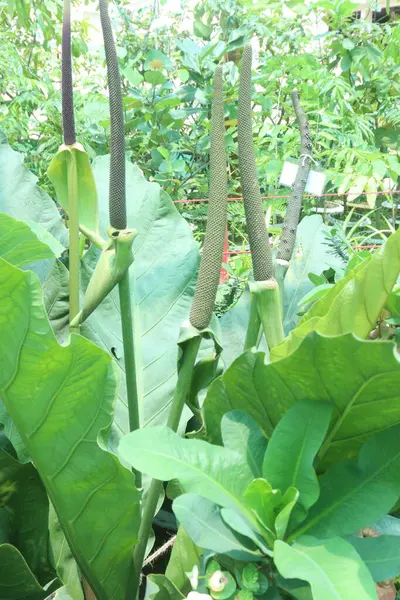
(88, 213)
(114, 261)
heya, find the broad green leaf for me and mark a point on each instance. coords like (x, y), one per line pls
(381, 555)
(354, 495)
(271, 594)
(21, 198)
(393, 304)
(86, 187)
(19, 245)
(202, 520)
(64, 562)
(289, 460)
(332, 568)
(298, 589)
(184, 556)
(17, 581)
(162, 278)
(154, 77)
(45, 237)
(60, 399)
(241, 433)
(365, 397)
(215, 473)
(183, 75)
(354, 303)
(388, 526)
(29, 507)
(23, 512)
(316, 293)
(133, 76)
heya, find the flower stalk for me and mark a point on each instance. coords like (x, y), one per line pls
(293, 210)
(117, 213)
(265, 307)
(203, 302)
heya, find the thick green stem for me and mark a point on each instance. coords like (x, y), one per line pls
(253, 326)
(269, 310)
(187, 361)
(129, 358)
(281, 268)
(73, 227)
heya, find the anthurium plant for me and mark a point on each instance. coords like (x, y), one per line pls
(292, 452)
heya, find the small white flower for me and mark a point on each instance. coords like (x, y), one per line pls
(217, 581)
(197, 596)
(193, 577)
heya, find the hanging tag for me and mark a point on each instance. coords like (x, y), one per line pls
(289, 173)
(315, 183)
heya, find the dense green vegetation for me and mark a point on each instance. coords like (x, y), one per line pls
(347, 77)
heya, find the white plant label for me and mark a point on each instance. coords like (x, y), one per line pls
(288, 174)
(315, 181)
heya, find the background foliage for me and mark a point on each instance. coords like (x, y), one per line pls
(348, 78)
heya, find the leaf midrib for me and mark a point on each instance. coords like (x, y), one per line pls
(197, 470)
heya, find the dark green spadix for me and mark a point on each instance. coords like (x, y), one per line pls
(117, 201)
(258, 235)
(211, 259)
(66, 78)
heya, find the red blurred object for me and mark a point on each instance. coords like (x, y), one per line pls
(224, 275)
